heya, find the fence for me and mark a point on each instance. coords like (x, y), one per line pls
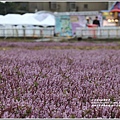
(100, 32)
(26, 32)
(37, 32)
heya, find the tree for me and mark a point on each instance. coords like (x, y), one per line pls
(12, 7)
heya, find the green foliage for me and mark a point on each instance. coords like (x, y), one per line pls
(12, 7)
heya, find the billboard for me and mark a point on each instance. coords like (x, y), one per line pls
(63, 25)
(77, 21)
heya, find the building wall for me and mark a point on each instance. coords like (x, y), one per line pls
(64, 6)
(110, 4)
(93, 6)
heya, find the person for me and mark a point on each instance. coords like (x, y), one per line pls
(88, 21)
(96, 21)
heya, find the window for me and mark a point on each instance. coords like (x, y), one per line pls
(86, 6)
(53, 5)
(72, 5)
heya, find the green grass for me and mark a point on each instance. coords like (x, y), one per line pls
(18, 39)
(61, 40)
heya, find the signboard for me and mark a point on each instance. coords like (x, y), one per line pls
(66, 24)
(66, 29)
(58, 25)
(63, 25)
(77, 21)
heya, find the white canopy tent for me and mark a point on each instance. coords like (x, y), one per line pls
(10, 19)
(41, 16)
(49, 21)
(16, 19)
(28, 19)
(11, 25)
(45, 18)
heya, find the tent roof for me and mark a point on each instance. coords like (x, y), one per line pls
(49, 21)
(40, 18)
(115, 4)
(48, 12)
(16, 19)
(104, 11)
(28, 14)
(115, 10)
(45, 18)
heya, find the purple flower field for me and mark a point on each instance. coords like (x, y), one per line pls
(59, 83)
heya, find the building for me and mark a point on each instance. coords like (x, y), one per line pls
(67, 6)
